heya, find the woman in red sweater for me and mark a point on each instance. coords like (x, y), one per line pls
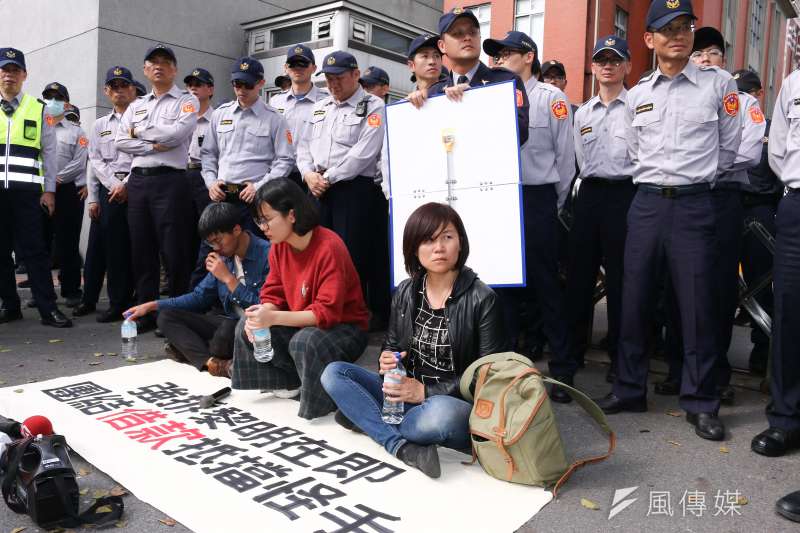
(311, 301)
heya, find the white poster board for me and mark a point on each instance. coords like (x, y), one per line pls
(250, 464)
(484, 186)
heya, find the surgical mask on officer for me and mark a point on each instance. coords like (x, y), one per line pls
(54, 107)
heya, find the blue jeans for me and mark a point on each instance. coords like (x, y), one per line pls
(358, 393)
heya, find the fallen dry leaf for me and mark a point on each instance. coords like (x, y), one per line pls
(104, 509)
(54, 341)
(18, 529)
(118, 491)
(676, 414)
(723, 449)
(99, 493)
(50, 360)
(112, 354)
(5, 350)
(19, 391)
(83, 492)
(741, 500)
(83, 472)
(20, 365)
(167, 522)
(31, 381)
(98, 354)
(121, 524)
(674, 443)
(95, 363)
(589, 504)
(130, 359)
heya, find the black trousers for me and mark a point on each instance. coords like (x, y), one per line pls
(757, 260)
(597, 237)
(200, 197)
(160, 219)
(539, 204)
(378, 295)
(351, 209)
(677, 234)
(109, 254)
(245, 221)
(67, 221)
(23, 232)
(729, 228)
(783, 411)
(198, 336)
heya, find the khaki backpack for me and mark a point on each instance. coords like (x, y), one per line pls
(513, 429)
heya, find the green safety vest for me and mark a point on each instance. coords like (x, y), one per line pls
(21, 146)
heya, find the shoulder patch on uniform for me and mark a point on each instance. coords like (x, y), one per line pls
(756, 115)
(731, 104)
(586, 129)
(644, 108)
(374, 120)
(140, 112)
(560, 109)
(226, 122)
(188, 107)
(104, 133)
(83, 141)
(50, 120)
(520, 99)
(289, 136)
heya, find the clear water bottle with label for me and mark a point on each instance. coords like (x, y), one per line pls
(393, 411)
(129, 332)
(262, 345)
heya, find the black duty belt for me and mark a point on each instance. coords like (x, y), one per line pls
(790, 190)
(728, 186)
(194, 166)
(622, 180)
(676, 191)
(154, 171)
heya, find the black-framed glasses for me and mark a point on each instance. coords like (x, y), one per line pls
(241, 84)
(119, 85)
(505, 54)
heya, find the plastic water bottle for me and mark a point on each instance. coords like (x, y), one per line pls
(262, 345)
(129, 333)
(393, 411)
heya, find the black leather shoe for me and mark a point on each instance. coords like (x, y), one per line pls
(72, 301)
(158, 333)
(789, 506)
(667, 388)
(31, 304)
(57, 320)
(706, 425)
(611, 404)
(425, 458)
(559, 395)
(109, 315)
(9, 315)
(727, 394)
(774, 442)
(83, 309)
(345, 422)
(611, 375)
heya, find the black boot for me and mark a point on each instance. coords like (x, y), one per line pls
(424, 458)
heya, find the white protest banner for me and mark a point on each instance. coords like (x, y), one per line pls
(250, 464)
(465, 154)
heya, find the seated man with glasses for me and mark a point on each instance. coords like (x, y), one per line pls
(237, 268)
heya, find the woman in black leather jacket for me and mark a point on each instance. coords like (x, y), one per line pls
(443, 318)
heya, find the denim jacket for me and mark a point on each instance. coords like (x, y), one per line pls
(210, 289)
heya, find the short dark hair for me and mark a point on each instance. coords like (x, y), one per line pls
(219, 217)
(423, 224)
(284, 195)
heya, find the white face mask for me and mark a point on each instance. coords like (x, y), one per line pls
(54, 107)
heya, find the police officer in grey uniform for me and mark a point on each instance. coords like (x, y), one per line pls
(709, 51)
(783, 410)
(70, 178)
(599, 226)
(248, 144)
(548, 164)
(338, 157)
(109, 249)
(684, 132)
(375, 81)
(295, 104)
(157, 130)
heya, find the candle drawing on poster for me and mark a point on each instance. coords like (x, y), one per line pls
(465, 154)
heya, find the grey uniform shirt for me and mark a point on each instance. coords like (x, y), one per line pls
(168, 120)
(684, 130)
(340, 144)
(600, 144)
(548, 156)
(784, 133)
(754, 126)
(199, 135)
(110, 166)
(296, 110)
(72, 150)
(250, 145)
(49, 148)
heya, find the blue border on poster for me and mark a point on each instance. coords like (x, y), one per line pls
(519, 187)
